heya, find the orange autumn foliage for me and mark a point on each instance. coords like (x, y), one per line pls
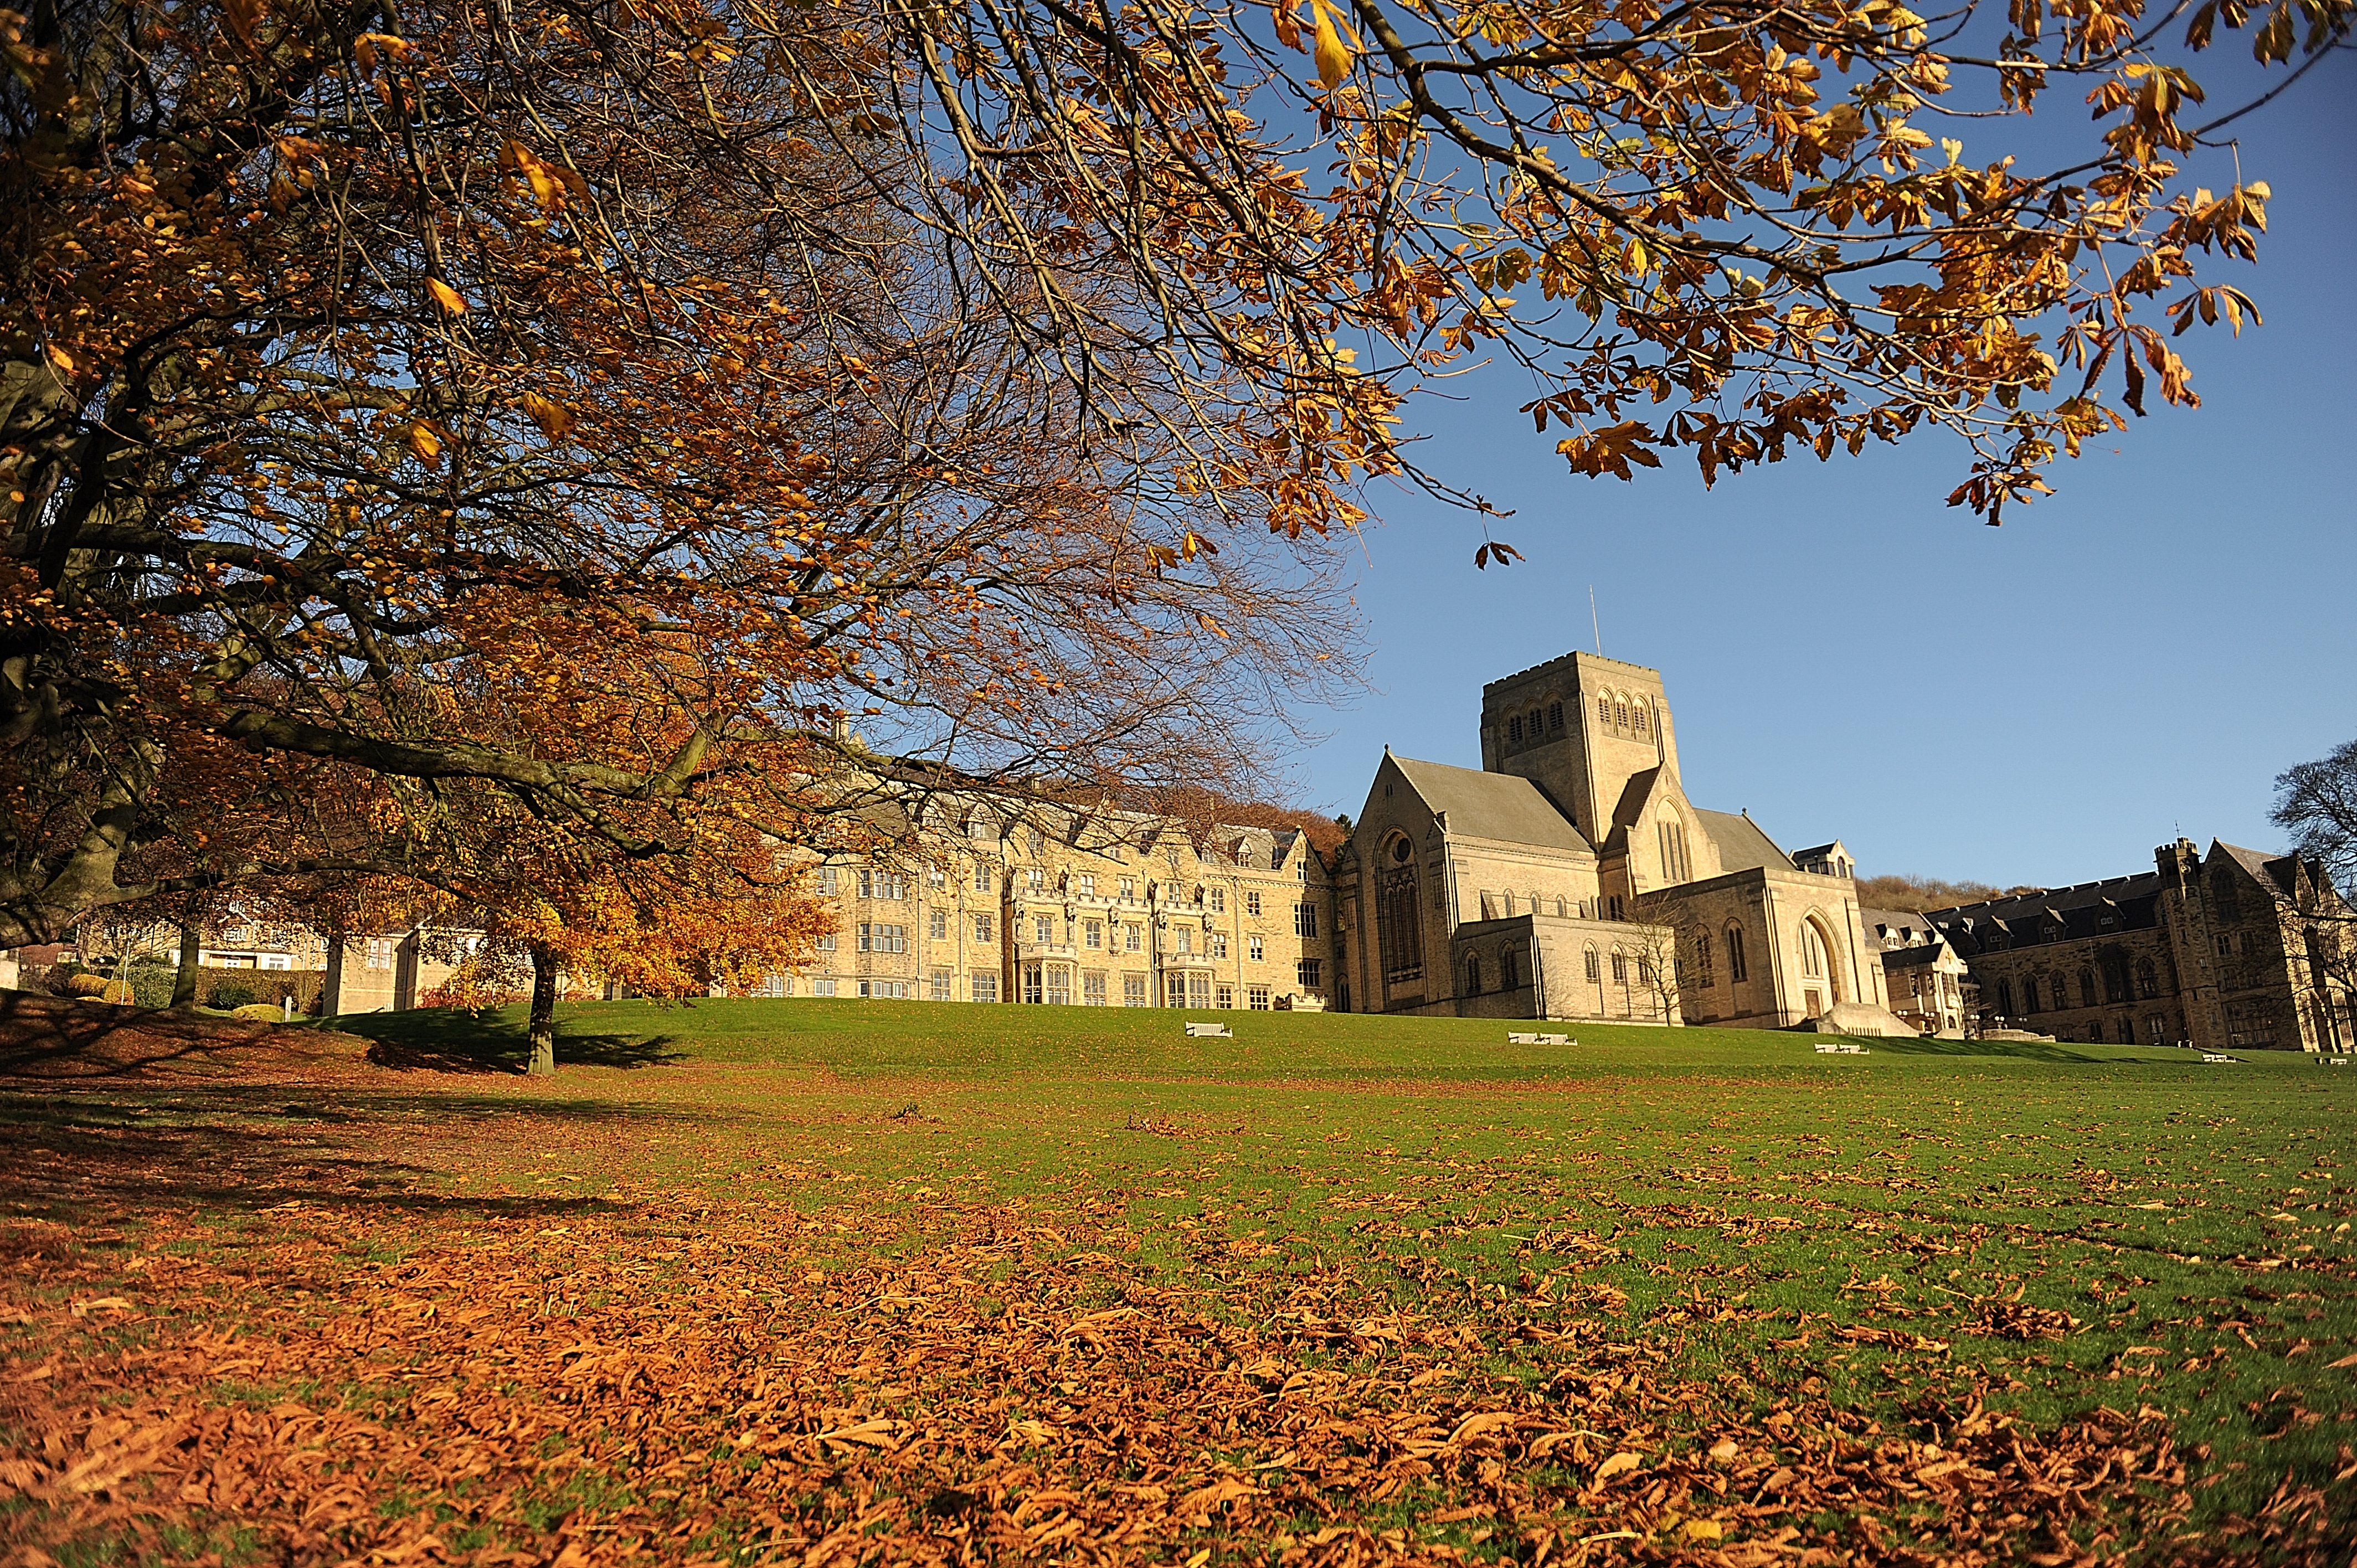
(996, 373)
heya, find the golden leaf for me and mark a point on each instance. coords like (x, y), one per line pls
(1618, 1464)
(444, 295)
(552, 417)
(425, 444)
(1333, 58)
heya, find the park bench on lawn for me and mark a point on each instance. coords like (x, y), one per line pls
(1209, 1032)
(1530, 1037)
(2218, 1057)
(1841, 1048)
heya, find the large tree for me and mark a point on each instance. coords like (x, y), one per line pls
(2315, 802)
(991, 368)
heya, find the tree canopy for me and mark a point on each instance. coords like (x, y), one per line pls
(2315, 802)
(1000, 371)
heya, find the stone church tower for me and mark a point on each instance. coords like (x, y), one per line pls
(1580, 728)
(1571, 878)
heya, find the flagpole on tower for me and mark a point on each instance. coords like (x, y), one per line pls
(1594, 625)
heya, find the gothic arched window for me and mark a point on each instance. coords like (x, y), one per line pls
(1399, 920)
(1813, 949)
(1472, 974)
(1637, 719)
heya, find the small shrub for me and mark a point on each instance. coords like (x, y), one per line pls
(85, 985)
(258, 1012)
(151, 982)
(119, 992)
(227, 995)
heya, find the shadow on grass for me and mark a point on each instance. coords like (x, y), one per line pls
(60, 1036)
(2026, 1050)
(89, 1157)
(457, 1039)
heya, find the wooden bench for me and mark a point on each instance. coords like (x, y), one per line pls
(1530, 1037)
(1841, 1048)
(1209, 1032)
(2216, 1057)
(2336, 1061)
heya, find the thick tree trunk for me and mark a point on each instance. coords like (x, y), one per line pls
(544, 1013)
(184, 981)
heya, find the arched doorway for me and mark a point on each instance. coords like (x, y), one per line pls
(1821, 984)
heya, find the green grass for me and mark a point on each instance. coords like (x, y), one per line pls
(961, 1040)
(2175, 1208)
(1765, 1215)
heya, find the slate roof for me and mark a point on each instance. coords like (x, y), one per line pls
(1490, 805)
(1898, 921)
(2055, 914)
(2275, 873)
(1912, 958)
(2061, 900)
(1742, 845)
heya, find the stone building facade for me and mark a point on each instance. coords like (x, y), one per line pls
(988, 899)
(1928, 982)
(2231, 949)
(1571, 878)
(382, 972)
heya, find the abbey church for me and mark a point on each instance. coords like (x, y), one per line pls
(1571, 878)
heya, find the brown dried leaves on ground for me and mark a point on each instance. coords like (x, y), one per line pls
(356, 1362)
(512, 1390)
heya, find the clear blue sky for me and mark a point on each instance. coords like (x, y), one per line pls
(1846, 656)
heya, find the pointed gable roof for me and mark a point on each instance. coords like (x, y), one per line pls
(2275, 873)
(1742, 845)
(1630, 807)
(1497, 805)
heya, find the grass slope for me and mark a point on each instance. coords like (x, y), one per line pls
(1675, 1241)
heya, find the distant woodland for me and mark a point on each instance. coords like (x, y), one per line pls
(1905, 891)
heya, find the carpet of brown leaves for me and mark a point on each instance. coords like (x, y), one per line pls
(377, 1372)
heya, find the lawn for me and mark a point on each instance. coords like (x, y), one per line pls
(833, 1282)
